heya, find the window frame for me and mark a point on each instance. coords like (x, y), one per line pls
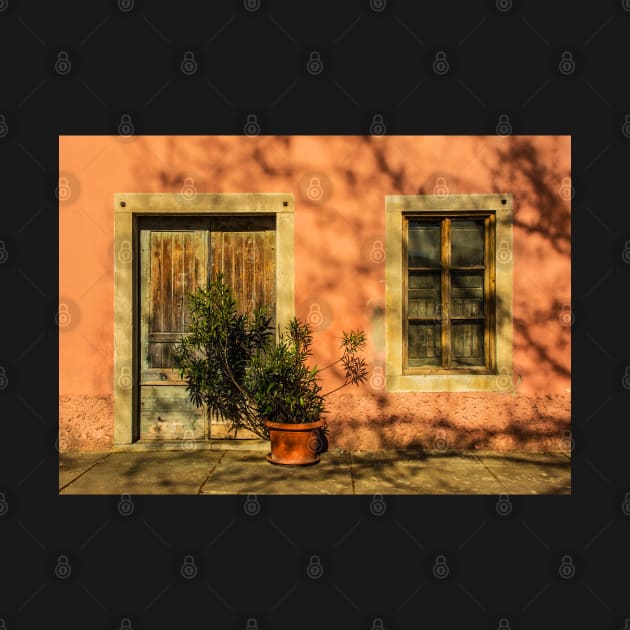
(489, 291)
(497, 377)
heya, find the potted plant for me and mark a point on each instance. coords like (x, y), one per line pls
(232, 364)
(287, 394)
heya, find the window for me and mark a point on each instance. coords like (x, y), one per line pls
(448, 287)
(448, 315)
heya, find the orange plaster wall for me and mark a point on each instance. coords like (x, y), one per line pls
(336, 268)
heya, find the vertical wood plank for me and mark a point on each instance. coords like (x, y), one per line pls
(492, 301)
(145, 298)
(228, 258)
(189, 276)
(216, 254)
(269, 272)
(259, 269)
(486, 291)
(156, 320)
(249, 272)
(237, 277)
(178, 281)
(167, 282)
(405, 292)
(446, 293)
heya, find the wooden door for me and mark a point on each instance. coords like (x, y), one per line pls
(178, 254)
(244, 251)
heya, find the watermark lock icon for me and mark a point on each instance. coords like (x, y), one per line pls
(377, 253)
(441, 569)
(4, 506)
(63, 192)
(568, 443)
(566, 570)
(252, 126)
(504, 126)
(252, 505)
(567, 63)
(566, 316)
(63, 570)
(504, 5)
(63, 318)
(189, 191)
(251, 5)
(567, 192)
(124, 378)
(314, 569)
(125, 253)
(125, 505)
(378, 5)
(125, 126)
(189, 65)
(440, 442)
(314, 65)
(440, 190)
(377, 127)
(504, 252)
(504, 505)
(188, 568)
(315, 317)
(377, 380)
(63, 66)
(504, 379)
(188, 441)
(625, 254)
(440, 63)
(315, 190)
(377, 505)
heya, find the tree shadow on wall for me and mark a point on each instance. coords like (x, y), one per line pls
(518, 166)
(265, 164)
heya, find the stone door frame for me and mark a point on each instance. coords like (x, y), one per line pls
(127, 208)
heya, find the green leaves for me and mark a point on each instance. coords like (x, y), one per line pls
(232, 364)
(216, 351)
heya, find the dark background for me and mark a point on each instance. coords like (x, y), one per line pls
(553, 68)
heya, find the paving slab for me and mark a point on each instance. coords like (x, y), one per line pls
(157, 472)
(241, 472)
(405, 472)
(208, 471)
(530, 473)
(73, 465)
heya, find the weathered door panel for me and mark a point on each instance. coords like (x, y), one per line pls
(178, 254)
(173, 262)
(244, 251)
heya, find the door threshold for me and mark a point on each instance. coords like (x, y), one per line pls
(194, 445)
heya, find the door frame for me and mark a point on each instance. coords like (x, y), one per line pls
(127, 208)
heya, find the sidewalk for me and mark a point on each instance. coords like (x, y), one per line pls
(244, 470)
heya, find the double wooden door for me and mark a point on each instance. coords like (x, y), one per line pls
(177, 255)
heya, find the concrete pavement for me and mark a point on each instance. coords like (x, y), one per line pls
(244, 470)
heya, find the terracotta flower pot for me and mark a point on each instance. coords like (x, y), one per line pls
(294, 444)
